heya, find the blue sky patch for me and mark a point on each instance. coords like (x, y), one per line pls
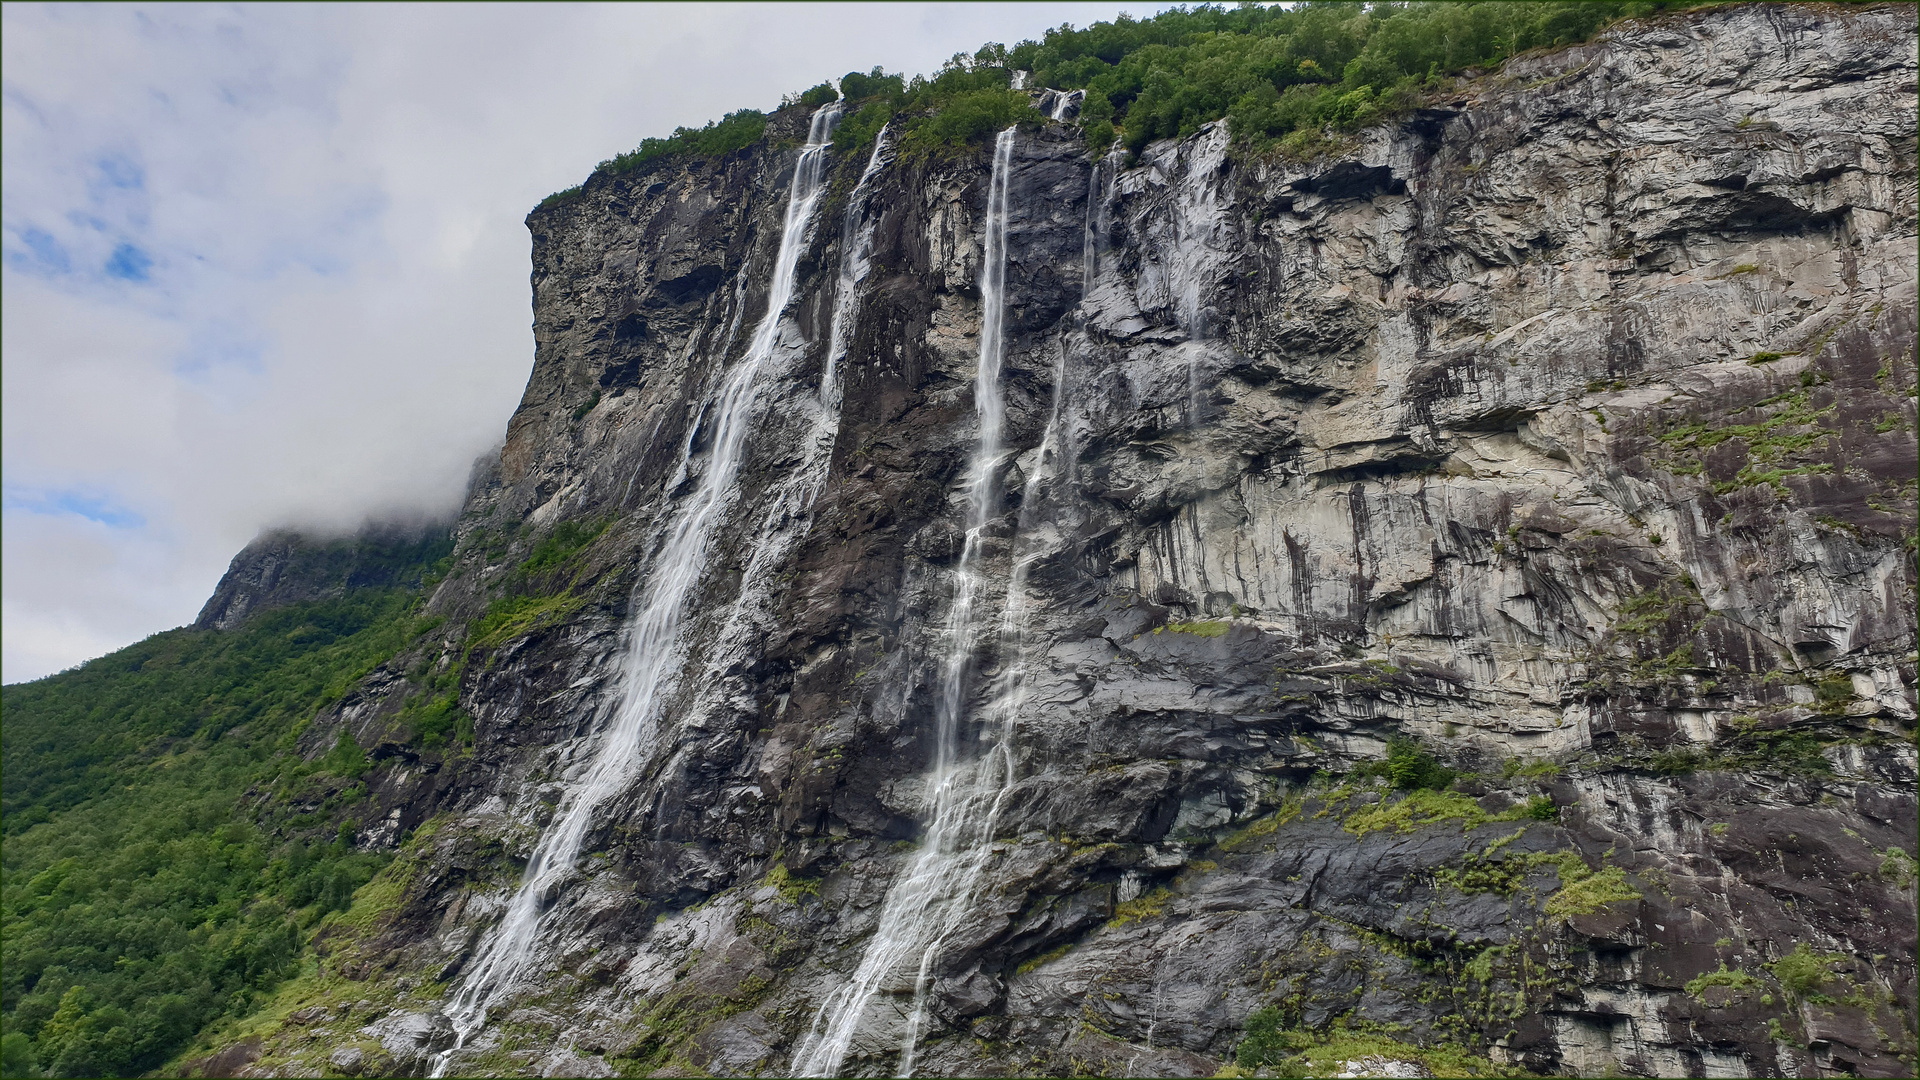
(73, 503)
(43, 254)
(129, 263)
(122, 173)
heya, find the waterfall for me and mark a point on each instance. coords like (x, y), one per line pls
(1051, 462)
(1093, 233)
(856, 242)
(938, 885)
(655, 653)
(808, 478)
(1202, 236)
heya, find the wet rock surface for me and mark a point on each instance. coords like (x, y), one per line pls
(1565, 427)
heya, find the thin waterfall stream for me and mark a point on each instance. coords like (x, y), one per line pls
(1200, 229)
(856, 246)
(655, 653)
(806, 480)
(936, 888)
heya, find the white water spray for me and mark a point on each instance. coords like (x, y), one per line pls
(654, 652)
(808, 478)
(1053, 460)
(1093, 234)
(856, 244)
(938, 885)
(1203, 239)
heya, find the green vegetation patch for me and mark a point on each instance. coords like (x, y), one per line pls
(1423, 810)
(1898, 867)
(1482, 964)
(1281, 77)
(512, 617)
(560, 546)
(560, 198)
(792, 887)
(735, 131)
(349, 935)
(1788, 424)
(437, 720)
(140, 902)
(1801, 751)
(1805, 973)
(966, 102)
(1485, 873)
(1261, 828)
(1834, 692)
(668, 1022)
(1751, 475)
(1738, 983)
(1650, 644)
(540, 591)
(1586, 890)
(1583, 890)
(1270, 1048)
(1409, 767)
(970, 116)
(1276, 72)
(1537, 769)
(1144, 906)
(1652, 610)
(815, 96)
(1045, 958)
(1216, 628)
(1493, 870)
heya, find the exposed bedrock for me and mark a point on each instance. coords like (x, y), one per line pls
(1565, 427)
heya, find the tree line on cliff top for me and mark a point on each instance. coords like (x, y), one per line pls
(1282, 78)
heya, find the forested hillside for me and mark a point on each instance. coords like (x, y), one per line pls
(168, 853)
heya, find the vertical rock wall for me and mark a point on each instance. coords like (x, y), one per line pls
(1565, 427)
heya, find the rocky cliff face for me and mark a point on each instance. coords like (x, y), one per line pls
(1565, 428)
(284, 567)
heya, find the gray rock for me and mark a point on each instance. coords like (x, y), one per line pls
(411, 1038)
(1467, 434)
(348, 1059)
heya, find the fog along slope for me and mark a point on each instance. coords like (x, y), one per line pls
(1565, 428)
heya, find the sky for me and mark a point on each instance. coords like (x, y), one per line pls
(265, 266)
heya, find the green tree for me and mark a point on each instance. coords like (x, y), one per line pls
(140, 900)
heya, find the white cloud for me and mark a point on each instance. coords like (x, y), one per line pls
(266, 265)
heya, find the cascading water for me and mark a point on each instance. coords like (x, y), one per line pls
(808, 477)
(938, 885)
(1093, 234)
(856, 244)
(655, 653)
(1203, 238)
(1052, 461)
